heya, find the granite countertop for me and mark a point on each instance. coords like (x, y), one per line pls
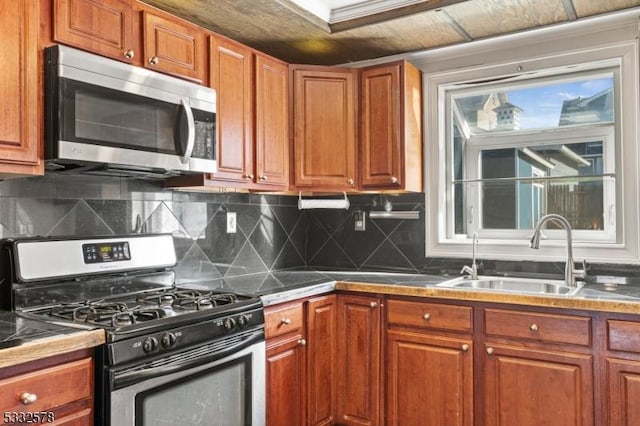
(602, 293)
(23, 339)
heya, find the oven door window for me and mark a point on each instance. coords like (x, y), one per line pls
(219, 395)
(98, 115)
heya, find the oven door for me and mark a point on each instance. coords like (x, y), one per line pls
(229, 391)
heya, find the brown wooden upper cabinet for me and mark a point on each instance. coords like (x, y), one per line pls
(104, 27)
(174, 47)
(272, 123)
(20, 135)
(232, 76)
(135, 33)
(391, 127)
(324, 140)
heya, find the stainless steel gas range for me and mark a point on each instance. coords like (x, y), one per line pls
(174, 356)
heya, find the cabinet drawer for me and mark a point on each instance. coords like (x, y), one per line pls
(283, 319)
(429, 315)
(538, 326)
(623, 336)
(50, 387)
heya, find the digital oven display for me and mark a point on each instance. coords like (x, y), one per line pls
(106, 252)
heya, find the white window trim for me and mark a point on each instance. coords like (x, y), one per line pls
(584, 44)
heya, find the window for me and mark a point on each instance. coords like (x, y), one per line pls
(511, 143)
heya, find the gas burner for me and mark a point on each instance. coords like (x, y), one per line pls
(108, 314)
(194, 300)
(157, 298)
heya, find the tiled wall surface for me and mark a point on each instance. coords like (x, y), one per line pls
(272, 234)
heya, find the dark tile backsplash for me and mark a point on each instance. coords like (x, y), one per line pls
(272, 234)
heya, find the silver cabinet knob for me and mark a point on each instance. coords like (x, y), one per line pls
(426, 316)
(129, 53)
(154, 60)
(248, 176)
(533, 327)
(465, 347)
(27, 398)
(490, 351)
(263, 178)
(285, 321)
(302, 342)
(394, 179)
(374, 304)
(350, 181)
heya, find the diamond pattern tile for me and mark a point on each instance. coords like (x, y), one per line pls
(272, 235)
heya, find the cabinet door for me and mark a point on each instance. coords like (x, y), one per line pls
(324, 128)
(390, 127)
(429, 380)
(321, 360)
(623, 388)
(231, 76)
(174, 47)
(359, 360)
(532, 387)
(285, 378)
(104, 27)
(272, 122)
(20, 89)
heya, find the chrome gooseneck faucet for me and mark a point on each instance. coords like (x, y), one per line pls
(570, 274)
(472, 270)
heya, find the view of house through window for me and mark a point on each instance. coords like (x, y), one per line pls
(518, 151)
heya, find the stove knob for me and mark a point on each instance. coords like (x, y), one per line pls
(243, 321)
(167, 340)
(150, 344)
(229, 324)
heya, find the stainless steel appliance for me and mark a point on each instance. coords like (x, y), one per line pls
(107, 117)
(174, 356)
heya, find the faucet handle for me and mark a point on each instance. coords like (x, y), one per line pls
(581, 273)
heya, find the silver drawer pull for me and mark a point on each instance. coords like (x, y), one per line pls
(426, 316)
(533, 327)
(465, 347)
(285, 321)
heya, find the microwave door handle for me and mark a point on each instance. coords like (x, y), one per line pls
(191, 130)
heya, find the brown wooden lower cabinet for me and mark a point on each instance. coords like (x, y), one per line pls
(61, 393)
(360, 359)
(429, 380)
(285, 377)
(359, 351)
(321, 361)
(623, 390)
(301, 359)
(531, 387)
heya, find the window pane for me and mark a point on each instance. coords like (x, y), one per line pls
(520, 185)
(545, 104)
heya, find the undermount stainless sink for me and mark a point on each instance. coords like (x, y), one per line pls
(513, 285)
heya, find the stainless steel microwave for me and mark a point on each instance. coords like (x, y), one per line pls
(107, 117)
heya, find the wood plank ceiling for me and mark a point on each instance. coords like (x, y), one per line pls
(284, 30)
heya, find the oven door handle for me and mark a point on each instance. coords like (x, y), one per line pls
(180, 362)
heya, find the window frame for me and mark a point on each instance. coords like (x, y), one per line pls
(584, 48)
(565, 136)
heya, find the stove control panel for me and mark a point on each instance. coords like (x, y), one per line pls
(225, 328)
(106, 252)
